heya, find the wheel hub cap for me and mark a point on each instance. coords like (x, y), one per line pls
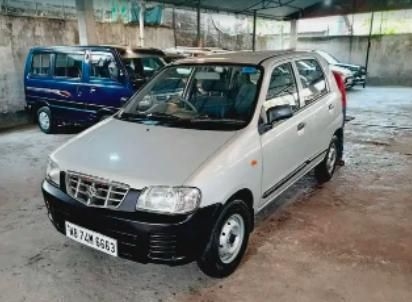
(331, 158)
(44, 120)
(231, 238)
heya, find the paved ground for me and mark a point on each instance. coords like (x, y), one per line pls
(350, 240)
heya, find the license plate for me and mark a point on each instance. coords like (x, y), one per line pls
(92, 239)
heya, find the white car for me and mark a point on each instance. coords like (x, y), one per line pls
(178, 178)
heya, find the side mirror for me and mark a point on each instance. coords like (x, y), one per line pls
(279, 113)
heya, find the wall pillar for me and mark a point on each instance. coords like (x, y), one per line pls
(141, 22)
(86, 22)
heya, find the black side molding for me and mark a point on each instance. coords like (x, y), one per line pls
(277, 186)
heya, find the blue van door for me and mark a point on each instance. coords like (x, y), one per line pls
(69, 104)
(107, 86)
(38, 80)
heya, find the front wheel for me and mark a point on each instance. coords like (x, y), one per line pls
(228, 241)
(45, 120)
(325, 170)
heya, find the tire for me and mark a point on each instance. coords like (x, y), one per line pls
(227, 235)
(45, 120)
(325, 170)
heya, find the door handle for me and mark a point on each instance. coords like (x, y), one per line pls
(331, 106)
(123, 99)
(301, 126)
(92, 89)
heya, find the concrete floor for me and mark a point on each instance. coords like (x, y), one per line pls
(349, 240)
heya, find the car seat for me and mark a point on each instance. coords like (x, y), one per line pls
(213, 102)
(245, 98)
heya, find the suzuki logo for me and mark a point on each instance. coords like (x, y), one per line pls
(91, 192)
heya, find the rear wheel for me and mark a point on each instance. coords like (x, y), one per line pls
(45, 120)
(325, 170)
(228, 241)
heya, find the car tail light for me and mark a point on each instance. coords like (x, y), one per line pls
(341, 85)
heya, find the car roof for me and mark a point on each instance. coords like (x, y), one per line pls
(120, 48)
(242, 57)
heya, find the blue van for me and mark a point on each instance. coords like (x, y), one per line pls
(79, 85)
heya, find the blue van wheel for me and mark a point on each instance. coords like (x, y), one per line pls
(45, 120)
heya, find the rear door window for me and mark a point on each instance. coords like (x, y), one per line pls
(40, 64)
(68, 65)
(313, 80)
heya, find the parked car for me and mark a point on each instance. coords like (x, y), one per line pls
(346, 75)
(359, 72)
(81, 84)
(171, 57)
(178, 174)
(186, 51)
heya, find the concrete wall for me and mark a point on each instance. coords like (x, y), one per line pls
(19, 34)
(389, 60)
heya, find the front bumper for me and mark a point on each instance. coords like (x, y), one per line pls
(349, 82)
(359, 79)
(141, 236)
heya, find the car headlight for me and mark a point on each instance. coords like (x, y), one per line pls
(169, 200)
(53, 172)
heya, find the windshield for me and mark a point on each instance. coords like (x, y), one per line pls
(216, 97)
(328, 57)
(142, 67)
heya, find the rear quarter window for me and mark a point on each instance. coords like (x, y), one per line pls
(313, 80)
(40, 65)
(103, 66)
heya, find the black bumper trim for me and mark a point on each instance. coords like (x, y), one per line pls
(142, 237)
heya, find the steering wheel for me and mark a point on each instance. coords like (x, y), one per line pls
(191, 106)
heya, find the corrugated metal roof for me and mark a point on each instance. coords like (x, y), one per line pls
(276, 9)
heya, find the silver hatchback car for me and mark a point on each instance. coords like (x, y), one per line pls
(179, 173)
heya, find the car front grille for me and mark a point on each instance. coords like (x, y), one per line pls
(95, 192)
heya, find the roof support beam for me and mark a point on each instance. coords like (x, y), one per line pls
(198, 39)
(254, 31)
(369, 44)
(293, 34)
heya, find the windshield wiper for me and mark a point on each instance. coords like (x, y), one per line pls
(162, 116)
(135, 116)
(218, 120)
